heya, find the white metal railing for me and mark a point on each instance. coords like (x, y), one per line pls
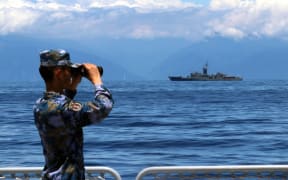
(95, 173)
(251, 172)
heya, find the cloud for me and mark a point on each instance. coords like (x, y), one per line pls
(242, 18)
(143, 5)
(14, 15)
(144, 18)
(228, 4)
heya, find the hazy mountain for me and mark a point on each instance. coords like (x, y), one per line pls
(128, 59)
(139, 56)
(20, 59)
(251, 59)
(122, 59)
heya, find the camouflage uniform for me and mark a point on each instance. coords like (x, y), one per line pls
(59, 120)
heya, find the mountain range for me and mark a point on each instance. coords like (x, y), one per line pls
(150, 59)
(251, 59)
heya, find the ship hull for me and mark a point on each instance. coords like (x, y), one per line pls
(179, 78)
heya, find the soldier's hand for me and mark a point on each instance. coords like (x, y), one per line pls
(92, 73)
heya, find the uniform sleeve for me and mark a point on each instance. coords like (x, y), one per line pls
(96, 110)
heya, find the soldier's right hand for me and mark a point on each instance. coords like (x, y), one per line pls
(92, 73)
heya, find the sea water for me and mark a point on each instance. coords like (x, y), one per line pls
(161, 123)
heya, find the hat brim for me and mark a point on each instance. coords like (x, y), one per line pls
(75, 65)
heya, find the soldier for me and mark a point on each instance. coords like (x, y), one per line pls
(60, 119)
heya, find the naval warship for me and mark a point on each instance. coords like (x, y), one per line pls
(204, 76)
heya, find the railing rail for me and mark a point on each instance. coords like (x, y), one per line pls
(95, 173)
(250, 172)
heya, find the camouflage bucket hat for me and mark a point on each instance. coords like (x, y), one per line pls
(56, 57)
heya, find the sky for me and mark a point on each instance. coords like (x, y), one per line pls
(145, 19)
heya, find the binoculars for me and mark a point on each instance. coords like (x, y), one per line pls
(83, 71)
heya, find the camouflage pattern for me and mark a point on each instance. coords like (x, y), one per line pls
(56, 57)
(59, 120)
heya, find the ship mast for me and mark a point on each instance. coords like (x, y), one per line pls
(205, 69)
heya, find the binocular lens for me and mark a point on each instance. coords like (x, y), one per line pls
(100, 69)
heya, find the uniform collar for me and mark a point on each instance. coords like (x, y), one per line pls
(50, 94)
(66, 92)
